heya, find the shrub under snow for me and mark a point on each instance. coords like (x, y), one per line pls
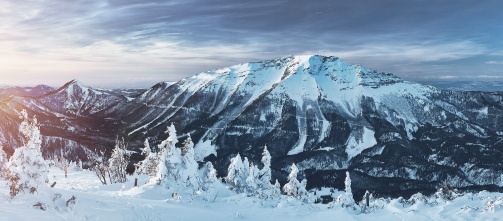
(118, 162)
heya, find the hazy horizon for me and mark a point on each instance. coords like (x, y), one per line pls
(450, 84)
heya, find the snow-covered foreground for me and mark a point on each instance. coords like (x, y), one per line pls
(95, 201)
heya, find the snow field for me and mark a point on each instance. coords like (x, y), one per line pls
(154, 202)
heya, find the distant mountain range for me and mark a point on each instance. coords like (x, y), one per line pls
(463, 85)
(8, 91)
(325, 115)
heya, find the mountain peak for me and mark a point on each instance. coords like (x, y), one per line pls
(314, 56)
(71, 87)
(335, 68)
(75, 82)
(291, 71)
(74, 85)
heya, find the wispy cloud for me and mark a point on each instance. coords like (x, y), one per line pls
(447, 77)
(414, 52)
(92, 40)
(494, 62)
(489, 76)
(464, 77)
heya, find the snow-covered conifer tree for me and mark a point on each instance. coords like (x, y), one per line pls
(27, 170)
(170, 159)
(188, 146)
(149, 164)
(266, 190)
(154, 157)
(347, 184)
(292, 187)
(246, 166)
(208, 176)
(118, 162)
(252, 179)
(235, 174)
(3, 161)
(276, 190)
(146, 148)
(302, 191)
(265, 173)
(347, 198)
(190, 175)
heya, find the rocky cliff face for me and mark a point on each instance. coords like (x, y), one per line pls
(325, 115)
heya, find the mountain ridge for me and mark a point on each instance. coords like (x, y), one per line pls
(405, 106)
(323, 114)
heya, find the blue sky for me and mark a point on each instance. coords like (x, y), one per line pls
(136, 43)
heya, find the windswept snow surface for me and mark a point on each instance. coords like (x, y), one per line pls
(152, 202)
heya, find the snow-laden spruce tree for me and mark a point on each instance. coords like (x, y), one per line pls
(149, 164)
(346, 199)
(27, 170)
(118, 162)
(246, 167)
(3, 161)
(347, 184)
(208, 176)
(276, 190)
(146, 148)
(170, 159)
(189, 174)
(236, 176)
(265, 173)
(266, 190)
(293, 187)
(141, 166)
(252, 179)
(302, 188)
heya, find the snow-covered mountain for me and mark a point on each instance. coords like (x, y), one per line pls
(37, 91)
(325, 115)
(328, 116)
(75, 119)
(74, 98)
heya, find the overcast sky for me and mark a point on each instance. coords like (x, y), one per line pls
(137, 43)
